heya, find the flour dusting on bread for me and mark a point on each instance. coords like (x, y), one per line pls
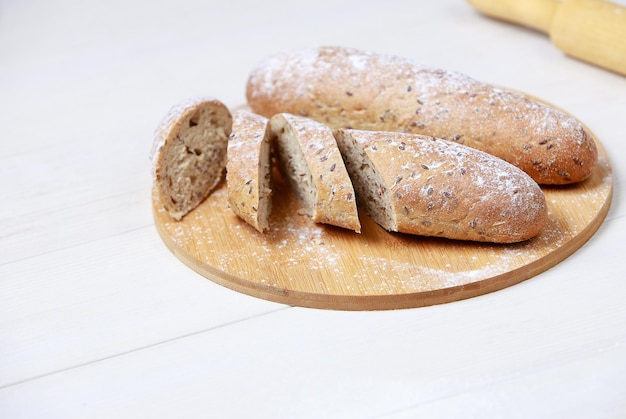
(422, 185)
(349, 88)
(313, 166)
(248, 173)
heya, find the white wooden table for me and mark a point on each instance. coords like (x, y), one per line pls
(99, 320)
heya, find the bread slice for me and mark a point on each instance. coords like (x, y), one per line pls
(248, 170)
(314, 169)
(422, 185)
(189, 153)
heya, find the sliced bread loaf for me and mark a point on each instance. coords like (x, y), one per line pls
(421, 185)
(189, 153)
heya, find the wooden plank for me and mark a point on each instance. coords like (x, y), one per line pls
(104, 298)
(312, 363)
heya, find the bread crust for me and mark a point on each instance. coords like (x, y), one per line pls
(433, 187)
(348, 88)
(189, 153)
(248, 170)
(313, 166)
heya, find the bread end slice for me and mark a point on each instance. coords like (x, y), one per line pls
(189, 153)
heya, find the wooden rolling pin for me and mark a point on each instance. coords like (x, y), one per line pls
(590, 30)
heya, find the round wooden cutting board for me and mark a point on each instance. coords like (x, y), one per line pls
(300, 263)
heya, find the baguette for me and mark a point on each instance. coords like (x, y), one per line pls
(248, 170)
(189, 153)
(421, 185)
(313, 167)
(348, 88)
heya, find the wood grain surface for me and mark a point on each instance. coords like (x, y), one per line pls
(302, 263)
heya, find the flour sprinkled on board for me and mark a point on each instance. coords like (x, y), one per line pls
(300, 240)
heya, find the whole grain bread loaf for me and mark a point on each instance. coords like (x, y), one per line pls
(189, 153)
(349, 88)
(314, 169)
(248, 171)
(421, 185)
